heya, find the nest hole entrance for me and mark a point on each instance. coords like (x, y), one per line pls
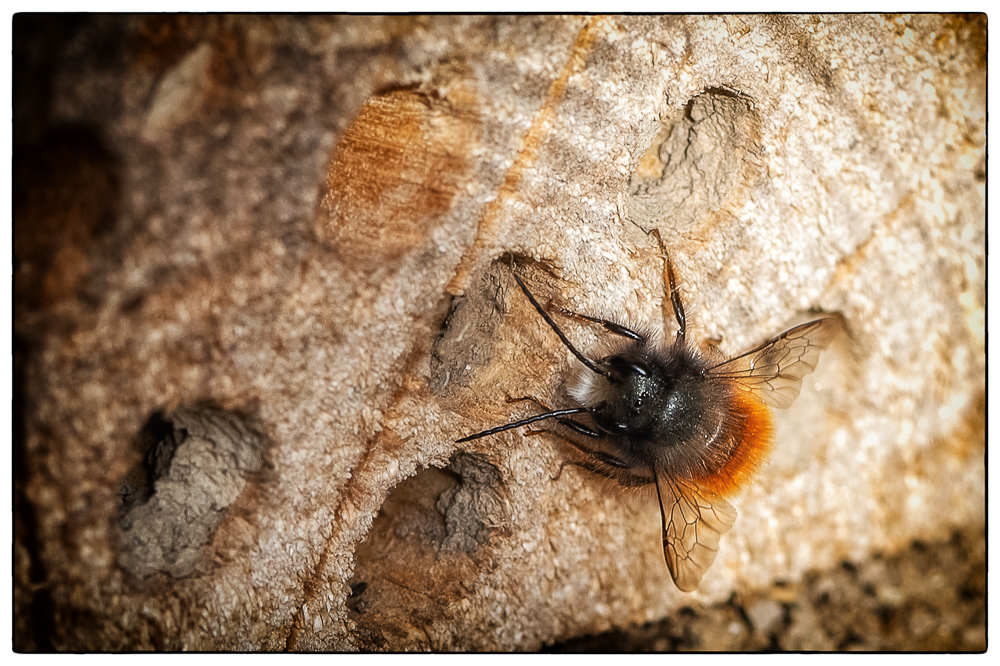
(195, 463)
(427, 549)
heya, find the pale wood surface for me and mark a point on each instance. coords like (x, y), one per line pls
(304, 221)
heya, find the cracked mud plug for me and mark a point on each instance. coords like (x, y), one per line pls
(196, 465)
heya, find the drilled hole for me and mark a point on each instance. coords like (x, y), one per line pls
(482, 350)
(702, 161)
(464, 344)
(426, 550)
(195, 464)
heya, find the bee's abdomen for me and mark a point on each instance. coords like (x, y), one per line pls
(740, 446)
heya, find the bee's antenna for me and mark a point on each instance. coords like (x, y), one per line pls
(548, 320)
(517, 424)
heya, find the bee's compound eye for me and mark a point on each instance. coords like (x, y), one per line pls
(626, 366)
(639, 368)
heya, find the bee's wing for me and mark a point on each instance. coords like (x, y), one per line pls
(774, 370)
(693, 522)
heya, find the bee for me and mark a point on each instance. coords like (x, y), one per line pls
(690, 422)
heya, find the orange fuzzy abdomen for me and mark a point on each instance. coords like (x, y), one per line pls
(751, 435)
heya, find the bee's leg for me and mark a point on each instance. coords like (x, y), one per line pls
(527, 398)
(601, 457)
(555, 329)
(598, 462)
(576, 426)
(622, 476)
(607, 465)
(675, 294)
(611, 326)
(558, 414)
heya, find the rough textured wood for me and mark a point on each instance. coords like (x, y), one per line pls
(306, 224)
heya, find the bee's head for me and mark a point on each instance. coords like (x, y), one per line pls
(620, 397)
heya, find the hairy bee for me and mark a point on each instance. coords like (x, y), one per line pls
(695, 427)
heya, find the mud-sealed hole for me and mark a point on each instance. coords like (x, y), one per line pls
(427, 549)
(195, 462)
(483, 342)
(703, 161)
(473, 319)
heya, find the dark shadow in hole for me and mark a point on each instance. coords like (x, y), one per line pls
(38, 605)
(157, 443)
